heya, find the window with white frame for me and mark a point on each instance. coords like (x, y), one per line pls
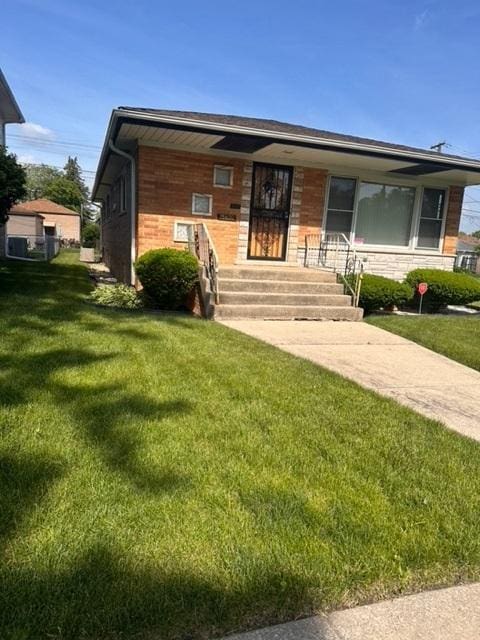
(202, 204)
(222, 176)
(431, 219)
(182, 231)
(379, 214)
(341, 202)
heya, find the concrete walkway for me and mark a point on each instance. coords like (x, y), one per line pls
(446, 614)
(429, 383)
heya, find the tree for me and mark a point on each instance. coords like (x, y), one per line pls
(476, 234)
(73, 172)
(12, 183)
(64, 191)
(90, 235)
(39, 176)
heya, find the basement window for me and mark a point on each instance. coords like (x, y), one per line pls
(201, 204)
(182, 231)
(223, 176)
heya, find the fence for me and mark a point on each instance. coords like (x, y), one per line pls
(39, 248)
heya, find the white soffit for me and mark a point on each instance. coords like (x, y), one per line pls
(158, 135)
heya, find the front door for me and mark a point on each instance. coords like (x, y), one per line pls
(269, 212)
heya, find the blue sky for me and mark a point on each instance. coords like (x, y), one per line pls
(404, 71)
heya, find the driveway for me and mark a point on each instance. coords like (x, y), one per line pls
(427, 382)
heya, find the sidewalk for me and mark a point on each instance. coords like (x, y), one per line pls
(427, 382)
(445, 614)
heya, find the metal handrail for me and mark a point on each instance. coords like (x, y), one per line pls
(201, 245)
(345, 263)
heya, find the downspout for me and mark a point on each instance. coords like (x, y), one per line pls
(133, 205)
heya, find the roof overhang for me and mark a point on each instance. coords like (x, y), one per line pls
(127, 128)
(9, 109)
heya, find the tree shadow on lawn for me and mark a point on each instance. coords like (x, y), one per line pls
(106, 416)
(24, 480)
(105, 595)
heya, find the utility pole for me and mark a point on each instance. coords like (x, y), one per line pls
(438, 146)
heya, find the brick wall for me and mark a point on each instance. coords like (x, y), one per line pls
(312, 203)
(452, 223)
(68, 226)
(116, 225)
(167, 180)
(21, 225)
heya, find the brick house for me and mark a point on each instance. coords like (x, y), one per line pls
(58, 221)
(272, 196)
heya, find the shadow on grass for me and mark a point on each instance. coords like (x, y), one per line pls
(104, 596)
(106, 416)
(24, 480)
(108, 419)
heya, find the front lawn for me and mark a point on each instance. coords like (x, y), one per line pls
(165, 477)
(453, 336)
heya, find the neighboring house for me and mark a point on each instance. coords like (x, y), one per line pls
(58, 221)
(264, 189)
(468, 253)
(9, 113)
(23, 222)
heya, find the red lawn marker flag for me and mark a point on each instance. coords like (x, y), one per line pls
(422, 289)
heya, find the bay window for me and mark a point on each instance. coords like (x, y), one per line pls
(376, 213)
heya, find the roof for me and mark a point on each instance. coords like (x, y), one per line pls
(20, 210)
(276, 126)
(267, 140)
(9, 109)
(43, 205)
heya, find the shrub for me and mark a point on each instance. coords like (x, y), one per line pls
(167, 276)
(378, 292)
(444, 287)
(120, 296)
(90, 235)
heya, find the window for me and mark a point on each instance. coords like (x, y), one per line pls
(222, 176)
(341, 202)
(384, 214)
(123, 194)
(431, 219)
(202, 204)
(182, 231)
(107, 207)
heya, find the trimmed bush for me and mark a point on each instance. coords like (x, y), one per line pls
(119, 296)
(444, 287)
(378, 292)
(167, 276)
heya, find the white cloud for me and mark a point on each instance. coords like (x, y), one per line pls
(27, 158)
(420, 19)
(33, 130)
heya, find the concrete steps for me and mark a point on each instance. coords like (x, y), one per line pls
(287, 293)
(287, 312)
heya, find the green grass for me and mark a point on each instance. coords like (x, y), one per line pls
(165, 477)
(453, 336)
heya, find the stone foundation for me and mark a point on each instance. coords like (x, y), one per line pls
(394, 265)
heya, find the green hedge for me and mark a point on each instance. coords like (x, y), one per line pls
(167, 276)
(378, 292)
(444, 287)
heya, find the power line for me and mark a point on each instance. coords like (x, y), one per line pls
(55, 166)
(39, 139)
